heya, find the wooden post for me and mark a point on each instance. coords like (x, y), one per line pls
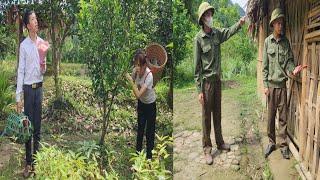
(262, 37)
(302, 122)
(315, 158)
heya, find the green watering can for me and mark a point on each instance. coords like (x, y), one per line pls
(18, 128)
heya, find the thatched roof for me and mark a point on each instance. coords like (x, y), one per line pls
(255, 11)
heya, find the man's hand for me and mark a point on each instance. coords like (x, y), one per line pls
(200, 97)
(19, 107)
(242, 20)
(266, 91)
(298, 69)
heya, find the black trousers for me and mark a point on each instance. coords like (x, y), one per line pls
(33, 109)
(146, 120)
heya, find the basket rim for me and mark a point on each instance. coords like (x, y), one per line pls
(164, 50)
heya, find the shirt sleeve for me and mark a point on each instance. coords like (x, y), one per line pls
(20, 73)
(197, 62)
(226, 33)
(265, 65)
(290, 64)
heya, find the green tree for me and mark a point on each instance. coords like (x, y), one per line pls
(164, 24)
(105, 48)
(181, 27)
(7, 42)
(61, 18)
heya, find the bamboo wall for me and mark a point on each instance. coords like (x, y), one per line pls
(295, 18)
(310, 96)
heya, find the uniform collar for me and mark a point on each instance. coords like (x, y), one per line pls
(273, 38)
(203, 34)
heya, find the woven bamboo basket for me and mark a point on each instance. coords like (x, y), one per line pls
(156, 60)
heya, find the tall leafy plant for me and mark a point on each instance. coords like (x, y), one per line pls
(105, 48)
(6, 96)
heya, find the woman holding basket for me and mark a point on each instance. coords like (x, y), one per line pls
(141, 81)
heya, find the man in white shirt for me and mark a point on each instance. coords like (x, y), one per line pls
(32, 65)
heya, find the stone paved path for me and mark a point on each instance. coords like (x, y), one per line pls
(189, 162)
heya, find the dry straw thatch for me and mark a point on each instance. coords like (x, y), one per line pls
(254, 12)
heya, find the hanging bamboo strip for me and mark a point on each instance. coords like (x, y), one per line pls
(317, 134)
(296, 16)
(301, 23)
(315, 68)
(310, 119)
(262, 35)
(303, 120)
(318, 172)
(316, 72)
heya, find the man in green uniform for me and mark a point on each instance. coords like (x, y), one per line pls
(277, 61)
(207, 57)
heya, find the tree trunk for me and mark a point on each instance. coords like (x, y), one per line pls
(55, 56)
(170, 92)
(56, 71)
(19, 31)
(106, 117)
(104, 122)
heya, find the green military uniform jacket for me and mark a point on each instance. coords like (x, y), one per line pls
(207, 53)
(277, 59)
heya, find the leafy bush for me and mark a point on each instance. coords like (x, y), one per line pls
(181, 27)
(7, 41)
(71, 50)
(53, 163)
(162, 91)
(6, 94)
(89, 149)
(185, 72)
(238, 55)
(73, 69)
(153, 169)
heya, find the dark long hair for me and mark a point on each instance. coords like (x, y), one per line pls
(140, 57)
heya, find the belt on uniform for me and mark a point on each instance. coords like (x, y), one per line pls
(34, 85)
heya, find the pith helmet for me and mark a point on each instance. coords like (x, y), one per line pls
(203, 8)
(277, 13)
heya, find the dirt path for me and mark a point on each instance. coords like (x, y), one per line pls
(188, 154)
(280, 168)
(6, 151)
